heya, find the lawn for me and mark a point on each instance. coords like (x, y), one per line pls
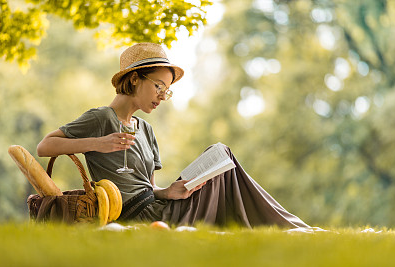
(32, 244)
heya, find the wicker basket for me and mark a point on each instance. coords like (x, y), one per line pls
(74, 206)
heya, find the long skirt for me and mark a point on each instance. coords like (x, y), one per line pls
(231, 197)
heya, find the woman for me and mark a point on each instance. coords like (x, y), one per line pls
(142, 84)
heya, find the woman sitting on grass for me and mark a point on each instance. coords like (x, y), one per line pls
(142, 84)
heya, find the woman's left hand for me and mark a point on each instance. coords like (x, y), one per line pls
(177, 190)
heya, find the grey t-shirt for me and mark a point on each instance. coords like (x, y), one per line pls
(143, 157)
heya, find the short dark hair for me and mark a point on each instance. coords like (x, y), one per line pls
(124, 85)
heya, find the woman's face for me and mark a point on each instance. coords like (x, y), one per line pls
(146, 97)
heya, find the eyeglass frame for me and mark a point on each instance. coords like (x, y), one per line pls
(167, 92)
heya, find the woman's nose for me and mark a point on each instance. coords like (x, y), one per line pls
(162, 96)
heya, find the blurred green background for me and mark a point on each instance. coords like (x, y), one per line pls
(301, 91)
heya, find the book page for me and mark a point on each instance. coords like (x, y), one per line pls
(222, 167)
(204, 162)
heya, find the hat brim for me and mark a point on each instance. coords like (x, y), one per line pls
(177, 71)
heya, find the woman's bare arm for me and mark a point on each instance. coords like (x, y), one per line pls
(56, 143)
(160, 193)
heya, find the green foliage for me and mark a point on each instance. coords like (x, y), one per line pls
(119, 23)
(18, 30)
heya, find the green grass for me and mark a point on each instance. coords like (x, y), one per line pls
(33, 244)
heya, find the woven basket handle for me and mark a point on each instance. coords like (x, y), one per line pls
(87, 186)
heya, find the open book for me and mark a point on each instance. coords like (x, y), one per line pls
(212, 162)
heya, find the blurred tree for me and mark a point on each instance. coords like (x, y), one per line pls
(301, 91)
(118, 22)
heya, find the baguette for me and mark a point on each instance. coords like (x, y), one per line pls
(34, 172)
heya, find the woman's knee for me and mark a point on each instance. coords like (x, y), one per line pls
(226, 148)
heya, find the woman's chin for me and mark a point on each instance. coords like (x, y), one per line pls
(147, 110)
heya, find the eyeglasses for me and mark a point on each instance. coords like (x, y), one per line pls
(161, 89)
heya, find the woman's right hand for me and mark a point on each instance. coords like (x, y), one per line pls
(114, 142)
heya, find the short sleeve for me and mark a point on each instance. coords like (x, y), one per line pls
(87, 125)
(153, 144)
(155, 150)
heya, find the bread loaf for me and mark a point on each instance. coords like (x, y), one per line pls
(34, 172)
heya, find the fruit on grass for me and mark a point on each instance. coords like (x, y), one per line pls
(114, 197)
(160, 225)
(104, 204)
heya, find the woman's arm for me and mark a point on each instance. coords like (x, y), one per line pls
(175, 191)
(159, 192)
(56, 143)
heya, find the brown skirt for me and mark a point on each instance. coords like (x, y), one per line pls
(232, 197)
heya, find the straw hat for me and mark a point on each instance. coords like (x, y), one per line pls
(144, 55)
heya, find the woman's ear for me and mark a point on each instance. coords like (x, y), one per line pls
(134, 78)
